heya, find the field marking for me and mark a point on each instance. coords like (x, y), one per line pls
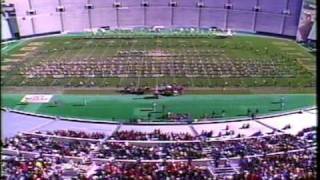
(9, 47)
(121, 78)
(279, 60)
(172, 71)
(8, 60)
(33, 58)
(103, 57)
(104, 51)
(75, 56)
(280, 43)
(6, 67)
(89, 56)
(297, 54)
(52, 82)
(83, 47)
(29, 48)
(189, 76)
(57, 56)
(202, 64)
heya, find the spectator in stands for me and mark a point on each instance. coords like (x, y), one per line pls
(155, 135)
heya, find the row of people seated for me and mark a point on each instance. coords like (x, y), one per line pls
(287, 165)
(35, 143)
(58, 168)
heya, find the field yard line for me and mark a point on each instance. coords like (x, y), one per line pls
(5, 49)
(139, 75)
(172, 69)
(104, 52)
(37, 60)
(157, 77)
(59, 58)
(203, 66)
(139, 79)
(75, 56)
(102, 55)
(72, 57)
(52, 82)
(190, 77)
(52, 54)
(157, 82)
(89, 56)
(121, 79)
(204, 69)
(92, 50)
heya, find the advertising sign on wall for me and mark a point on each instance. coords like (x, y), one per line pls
(307, 23)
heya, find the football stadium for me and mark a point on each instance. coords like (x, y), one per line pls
(158, 89)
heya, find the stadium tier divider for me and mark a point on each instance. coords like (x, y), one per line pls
(298, 110)
(111, 159)
(154, 142)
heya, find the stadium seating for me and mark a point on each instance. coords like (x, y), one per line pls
(239, 17)
(218, 150)
(276, 146)
(241, 20)
(75, 149)
(131, 17)
(271, 23)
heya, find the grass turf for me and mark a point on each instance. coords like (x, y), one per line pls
(293, 59)
(126, 107)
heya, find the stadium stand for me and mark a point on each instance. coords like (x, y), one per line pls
(223, 14)
(276, 146)
(41, 153)
(47, 151)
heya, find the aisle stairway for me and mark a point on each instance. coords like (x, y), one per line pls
(221, 170)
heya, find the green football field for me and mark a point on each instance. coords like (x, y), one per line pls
(123, 108)
(205, 65)
(193, 60)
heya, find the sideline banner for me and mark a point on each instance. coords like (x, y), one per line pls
(37, 98)
(307, 23)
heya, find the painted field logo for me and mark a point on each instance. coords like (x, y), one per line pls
(38, 98)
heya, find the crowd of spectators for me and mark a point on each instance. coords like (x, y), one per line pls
(47, 145)
(127, 150)
(32, 168)
(253, 146)
(160, 151)
(149, 171)
(297, 165)
(58, 168)
(255, 153)
(294, 165)
(156, 135)
(307, 130)
(74, 134)
(309, 134)
(178, 117)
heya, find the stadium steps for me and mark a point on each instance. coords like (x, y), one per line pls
(114, 131)
(195, 132)
(223, 171)
(206, 150)
(271, 127)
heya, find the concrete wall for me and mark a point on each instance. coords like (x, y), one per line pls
(76, 18)
(5, 30)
